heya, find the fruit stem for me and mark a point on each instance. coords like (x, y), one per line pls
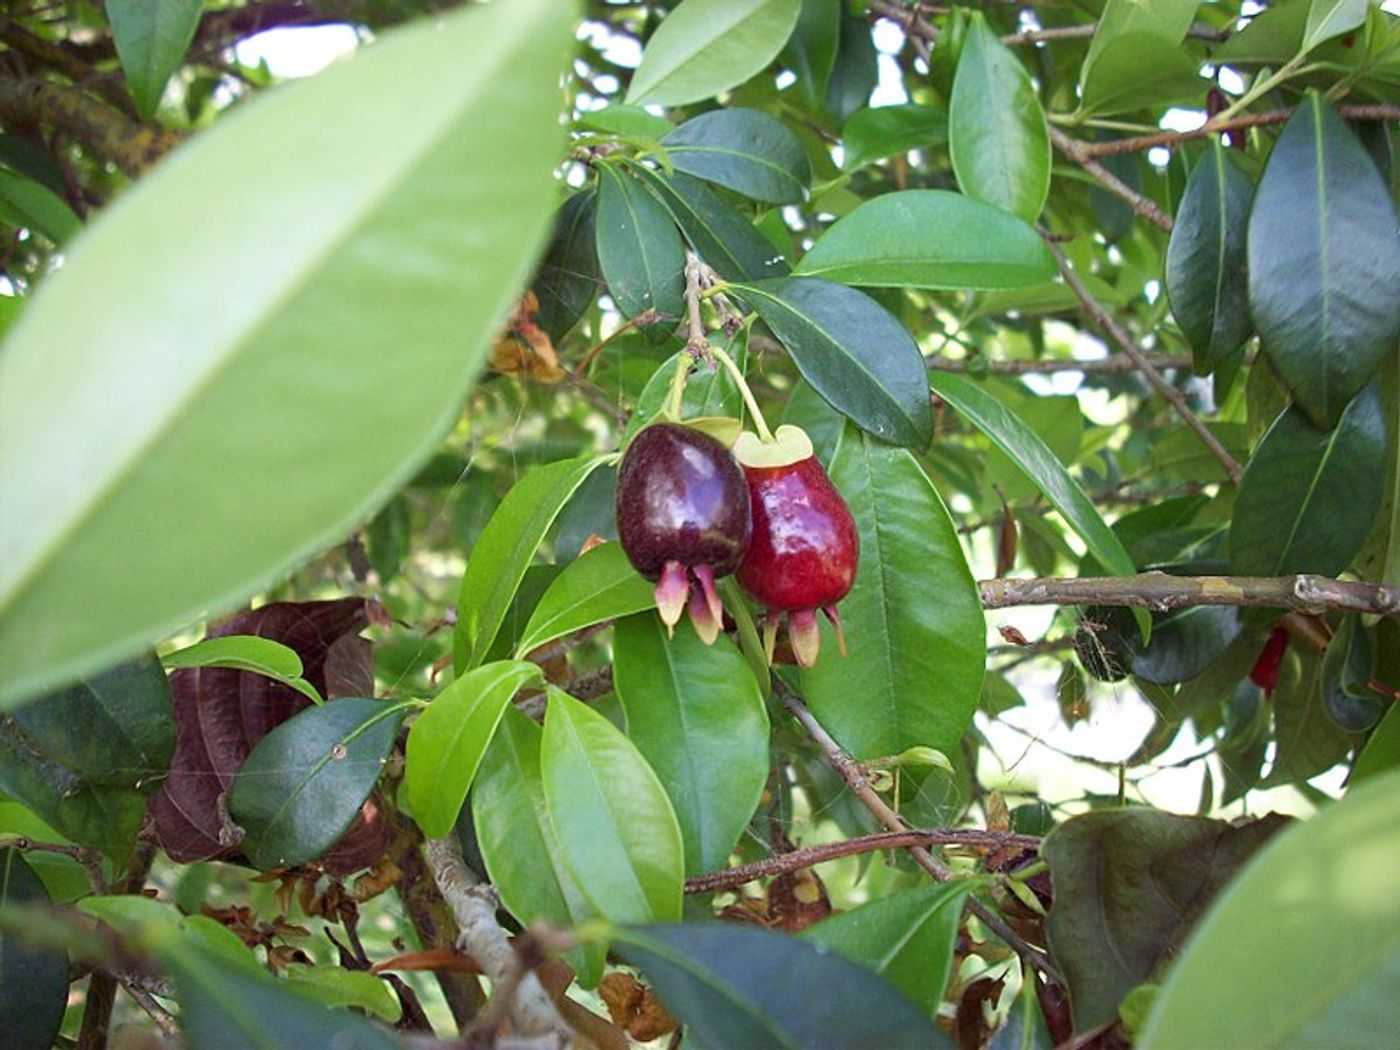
(764, 434)
(676, 395)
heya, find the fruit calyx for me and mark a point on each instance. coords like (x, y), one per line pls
(804, 549)
(683, 519)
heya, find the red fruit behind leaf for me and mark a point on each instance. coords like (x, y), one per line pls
(1264, 673)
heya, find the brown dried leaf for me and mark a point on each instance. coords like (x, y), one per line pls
(634, 1006)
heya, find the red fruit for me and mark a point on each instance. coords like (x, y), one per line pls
(803, 553)
(1264, 673)
(683, 514)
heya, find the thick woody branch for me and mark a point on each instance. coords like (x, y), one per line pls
(1101, 317)
(1161, 592)
(1168, 139)
(783, 863)
(1143, 206)
(102, 128)
(473, 904)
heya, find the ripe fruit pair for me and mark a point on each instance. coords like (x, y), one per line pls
(690, 511)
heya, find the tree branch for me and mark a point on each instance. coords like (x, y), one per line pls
(1044, 366)
(1101, 317)
(783, 863)
(1162, 592)
(1084, 32)
(1143, 206)
(102, 128)
(1168, 139)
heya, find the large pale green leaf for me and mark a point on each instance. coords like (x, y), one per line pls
(600, 585)
(504, 551)
(1205, 275)
(929, 239)
(1128, 885)
(1308, 496)
(908, 938)
(744, 988)
(707, 46)
(611, 818)
(852, 351)
(639, 251)
(240, 408)
(886, 131)
(303, 784)
(744, 150)
(997, 133)
(151, 37)
(914, 671)
(695, 713)
(1303, 948)
(447, 741)
(517, 841)
(1324, 260)
(33, 981)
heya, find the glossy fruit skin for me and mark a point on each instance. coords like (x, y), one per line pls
(681, 496)
(805, 547)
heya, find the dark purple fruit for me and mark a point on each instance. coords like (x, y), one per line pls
(683, 517)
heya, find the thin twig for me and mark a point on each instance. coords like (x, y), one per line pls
(1083, 32)
(1046, 366)
(1137, 143)
(1143, 206)
(1100, 316)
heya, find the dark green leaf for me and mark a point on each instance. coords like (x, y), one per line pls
(600, 585)
(744, 988)
(876, 699)
(33, 981)
(1323, 258)
(705, 47)
(568, 277)
(695, 713)
(612, 820)
(1308, 741)
(744, 150)
(1129, 884)
(1346, 673)
(504, 551)
(1308, 935)
(812, 47)
(857, 68)
(388, 538)
(1382, 750)
(151, 37)
(39, 208)
(302, 785)
(852, 351)
(887, 131)
(447, 741)
(1308, 497)
(518, 843)
(997, 133)
(1206, 279)
(432, 222)
(1184, 641)
(907, 938)
(1271, 37)
(639, 250)
(929, 239)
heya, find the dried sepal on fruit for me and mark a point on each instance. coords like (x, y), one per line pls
(683, 520)
(804, 550)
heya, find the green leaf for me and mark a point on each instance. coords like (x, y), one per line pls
(907, 938)
(619, 119)
(705, 47)
(735, 986)
(1272, 36)
(567, 280)
(852, 351)
(1029, 452)
(1308, 497)
(1184, 641)
(696, 715)
(447, 742)
(1322, 250)
(721, 235)
(610, 814)
(37, 206)
(517, 841)
(1308, 934)
(246, 652)
(1382, 751)
(875, 700)
(1308, 741)
(1332, 18)
(600, 585)
(1205, 276)
(997, 132)
(433, 221)
(336, 987)
(744, 150)
(812, 47)
(709, 392)
(1129, 884)
(1136, 57)
(639, 250)
(303, 784)
(504, 551)
(857, 68)
(152, 37)
(33, 981)
(887, 131)
(929, 239)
